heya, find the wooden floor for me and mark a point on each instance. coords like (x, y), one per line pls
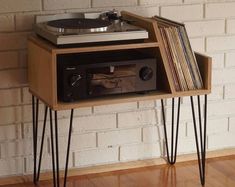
(220, 172)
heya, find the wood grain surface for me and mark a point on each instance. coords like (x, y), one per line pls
(220, 172)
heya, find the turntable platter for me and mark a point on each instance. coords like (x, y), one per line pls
(78, 25)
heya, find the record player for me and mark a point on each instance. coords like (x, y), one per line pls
(78, 28)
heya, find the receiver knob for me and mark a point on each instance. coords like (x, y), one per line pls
(74, 80)
(146, 73)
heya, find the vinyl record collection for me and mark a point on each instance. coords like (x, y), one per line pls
(180, 57)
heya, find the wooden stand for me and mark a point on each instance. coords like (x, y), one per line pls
(42, 65)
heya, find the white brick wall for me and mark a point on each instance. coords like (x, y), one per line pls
(205, 28)
(96, 156)
(221, 141)
(13, 78)
(113, 3)
(119, 137)
(12, 97)
(24, 5)
(223, 76)
(152, 2)
(23, 58)
(217, 59)
(215, 126)
(146, 11)
(8, 60)
(186, 145)
(24, 22)
(151, 134)
(10, 132)
(7, 23)
(228, 108)
(220, 43)
(183, 12)
(65, 4)
(13, 41)
(136, 118)
(120, 132)
(230, 59)
(12, 166)
(10, 115)
(146, 104)
(230, 26)
(137, 151)
(95, 122)
(230, 91)
(115, 108)
(231, 124)
(80, 141)
(215, 10)
(217, 93)
(198, 44)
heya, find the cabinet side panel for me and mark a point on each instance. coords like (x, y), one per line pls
(205, 67)
(141, 22)
(41, 74)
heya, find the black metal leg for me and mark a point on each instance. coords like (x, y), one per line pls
(68, 148)
(36, 127)
(52, 149)
(34, 158)
(35, 134)
(42, 142)
(201, 147)
(57, 151)
(54, 143)
(172, 159)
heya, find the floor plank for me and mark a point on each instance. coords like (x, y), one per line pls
(220, 172)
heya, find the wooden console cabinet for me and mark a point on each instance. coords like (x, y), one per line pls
(43, 61)
(42, 75)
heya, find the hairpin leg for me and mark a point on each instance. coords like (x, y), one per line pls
(174, 142)
(52, 150)
(201, 147)
(68, 148)
(54, 143)
(42, 142)
(57, 150)
(34, 158)
(35, 134)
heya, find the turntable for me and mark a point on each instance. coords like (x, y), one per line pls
(77, 28)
